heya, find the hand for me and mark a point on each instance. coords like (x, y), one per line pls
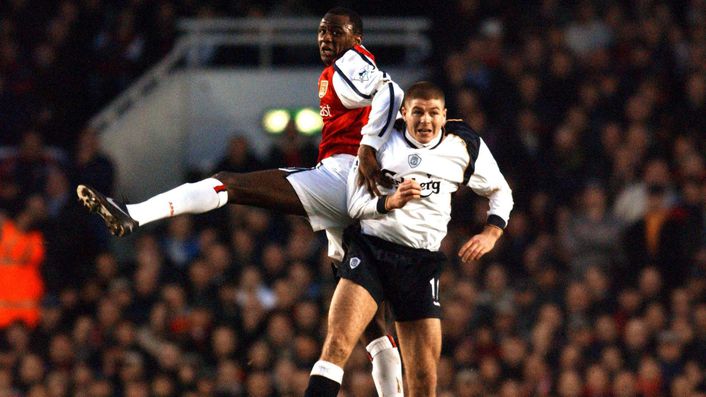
(408, 190)
(369, 171)
(480, 244)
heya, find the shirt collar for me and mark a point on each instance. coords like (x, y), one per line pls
(420, 145)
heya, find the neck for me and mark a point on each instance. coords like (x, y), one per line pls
(420, 145)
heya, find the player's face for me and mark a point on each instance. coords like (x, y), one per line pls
(424, 118)
(335, 37)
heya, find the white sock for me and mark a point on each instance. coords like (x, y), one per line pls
(328, 370)
(387, 367)
(189, 198)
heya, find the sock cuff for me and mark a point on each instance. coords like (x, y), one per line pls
(328, 370)
(219, 188)
(380, 344)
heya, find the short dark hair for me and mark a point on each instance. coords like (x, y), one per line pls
(424, 90)
(353, 17)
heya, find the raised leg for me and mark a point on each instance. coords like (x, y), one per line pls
(264, 189)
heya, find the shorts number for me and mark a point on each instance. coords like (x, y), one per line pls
(435, 290)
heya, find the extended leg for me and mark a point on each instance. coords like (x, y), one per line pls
(265, 189)
(420, 342)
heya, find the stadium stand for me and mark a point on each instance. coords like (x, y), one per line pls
(595, 112)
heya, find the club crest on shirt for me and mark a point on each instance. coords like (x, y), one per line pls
(323, 87)
(354, 262)
(414, 160)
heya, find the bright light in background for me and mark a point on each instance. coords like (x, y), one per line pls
(275, 121)
(308, 121)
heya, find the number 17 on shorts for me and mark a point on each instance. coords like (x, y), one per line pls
(435, 290)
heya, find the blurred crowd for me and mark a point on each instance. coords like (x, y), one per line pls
(596, 112)
(62, 61)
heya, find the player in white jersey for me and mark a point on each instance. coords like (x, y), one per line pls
(393, 256)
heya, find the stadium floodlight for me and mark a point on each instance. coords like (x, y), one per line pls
(308, 121)
(274, 121)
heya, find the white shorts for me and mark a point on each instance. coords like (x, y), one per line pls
(322, 192)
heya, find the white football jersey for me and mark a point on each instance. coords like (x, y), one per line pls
(454, 158)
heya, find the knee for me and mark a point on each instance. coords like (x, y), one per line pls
(336, 349)
(422, 381)
(227, 178)
(233, 183)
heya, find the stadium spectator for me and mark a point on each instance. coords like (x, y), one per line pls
(641, 94)
(291, 149)
(22, 253)
(90, 163)
(239, 157)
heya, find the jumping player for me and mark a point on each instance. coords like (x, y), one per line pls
(358, 105)
(393, 255)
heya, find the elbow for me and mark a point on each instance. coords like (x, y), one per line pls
(510, 198)
(505, 191)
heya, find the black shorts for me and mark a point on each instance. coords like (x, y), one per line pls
(406, 278)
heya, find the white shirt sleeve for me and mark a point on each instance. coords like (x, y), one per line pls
(488, 181)
(361, 204)
(358, 83)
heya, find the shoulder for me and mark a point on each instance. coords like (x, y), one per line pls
(458, 128)
(355, 58)
(399, 126)
(464, 131)
(327, 72)
(398, 130)
(364, 51)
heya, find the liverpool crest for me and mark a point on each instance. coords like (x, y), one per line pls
(414, 160)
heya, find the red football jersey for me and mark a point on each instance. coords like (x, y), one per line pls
(341, 132)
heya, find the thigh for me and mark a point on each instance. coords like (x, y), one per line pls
(351, 310)
(322, 192)
(360, 266)
(268, 189)
(420, 346)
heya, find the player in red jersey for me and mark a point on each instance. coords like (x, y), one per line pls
(358, 105)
